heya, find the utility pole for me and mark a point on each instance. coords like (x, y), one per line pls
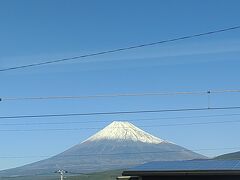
(61, 172)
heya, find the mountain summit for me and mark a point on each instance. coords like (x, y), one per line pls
(119, 145)
(124, 131)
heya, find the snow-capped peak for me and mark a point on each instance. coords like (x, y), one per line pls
(122, 130)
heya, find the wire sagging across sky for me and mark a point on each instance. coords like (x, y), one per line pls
(130, 120)
(116, 154)
(207, 92)
(119, 112)
(121, 49)
(99, 128)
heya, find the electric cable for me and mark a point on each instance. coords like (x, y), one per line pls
(120, 49)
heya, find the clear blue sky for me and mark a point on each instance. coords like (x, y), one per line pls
(35, 31)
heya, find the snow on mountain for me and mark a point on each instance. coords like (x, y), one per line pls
(120, 130)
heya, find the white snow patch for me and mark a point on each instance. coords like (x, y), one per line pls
(122, 130)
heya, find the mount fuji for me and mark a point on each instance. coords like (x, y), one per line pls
(119, 145)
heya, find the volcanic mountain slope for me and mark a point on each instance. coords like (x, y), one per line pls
(119, 145)
(229, 156)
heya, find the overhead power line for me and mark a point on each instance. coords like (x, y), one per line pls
(121, 49)
(130, 120)
(119, 112)
(123, 153)
(99, 128)
(121, 95)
